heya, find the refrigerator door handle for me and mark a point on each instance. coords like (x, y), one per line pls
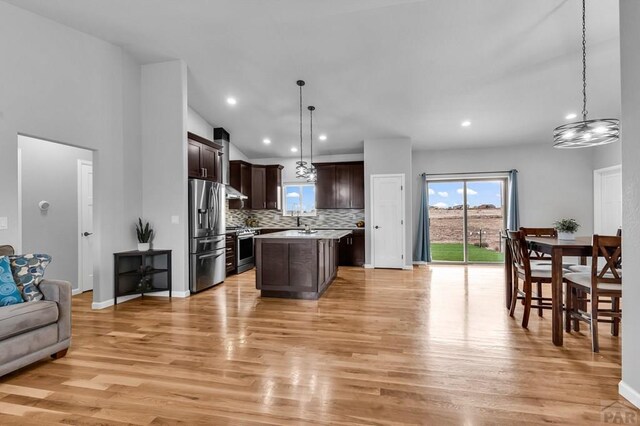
(205, 256)
(210, 208)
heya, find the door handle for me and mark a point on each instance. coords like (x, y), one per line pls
(86, 234)
(209, 255)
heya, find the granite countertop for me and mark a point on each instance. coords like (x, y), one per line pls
(330, 228)
(295, 234)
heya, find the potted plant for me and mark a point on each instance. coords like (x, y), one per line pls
(566, 228)
(145, 233)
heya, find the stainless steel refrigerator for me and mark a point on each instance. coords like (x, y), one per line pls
(206, 234)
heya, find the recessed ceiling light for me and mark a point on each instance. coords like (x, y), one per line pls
(571, 116)
(231, 101)
(266, 141)
(294, 149)
(322, 137)
(466, 123)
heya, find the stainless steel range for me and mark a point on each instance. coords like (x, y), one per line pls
(245, 259)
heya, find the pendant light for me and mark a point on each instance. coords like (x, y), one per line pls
(586, 133)
(301, 166)
(312, 175)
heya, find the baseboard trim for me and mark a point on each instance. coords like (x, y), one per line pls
(107, 303)
(368, 266)
(629, 393)
(76, 291)
(420, 262)
(178, 294)
(408, 267)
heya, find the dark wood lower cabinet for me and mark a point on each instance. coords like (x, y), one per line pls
(230, 263)
(295, 269)
(351, 251)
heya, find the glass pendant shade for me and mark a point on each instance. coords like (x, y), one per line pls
(301, 169)
(312, 174)
(586, 133)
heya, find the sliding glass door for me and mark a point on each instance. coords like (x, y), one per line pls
(465, 220)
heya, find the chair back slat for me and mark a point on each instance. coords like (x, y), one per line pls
(517, 243)
(610, 249)
(539, 232)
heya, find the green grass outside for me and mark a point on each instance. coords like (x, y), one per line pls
(453, 252)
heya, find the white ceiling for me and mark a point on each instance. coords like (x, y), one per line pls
(374, 68)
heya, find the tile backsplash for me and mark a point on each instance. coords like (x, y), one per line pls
(339, 218)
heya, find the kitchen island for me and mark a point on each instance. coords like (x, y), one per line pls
(295, 264)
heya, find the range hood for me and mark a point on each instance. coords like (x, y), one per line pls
(234, 194)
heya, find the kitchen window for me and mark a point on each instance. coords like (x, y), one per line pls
(299, 199)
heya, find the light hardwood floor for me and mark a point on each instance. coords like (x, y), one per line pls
(430, 346)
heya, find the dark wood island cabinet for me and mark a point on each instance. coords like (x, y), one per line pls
(295, 265)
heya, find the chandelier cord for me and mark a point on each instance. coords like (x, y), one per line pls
(300, 124)
(584, 61)
(311, 135)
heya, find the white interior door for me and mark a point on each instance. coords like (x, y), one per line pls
(85, 217)
(387, 228)
(607, 200)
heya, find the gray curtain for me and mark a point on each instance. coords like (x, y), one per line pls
(423, 254)
(513, 214)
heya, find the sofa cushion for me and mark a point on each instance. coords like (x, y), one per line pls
(28, 271)
(24, 317)
(9, 293)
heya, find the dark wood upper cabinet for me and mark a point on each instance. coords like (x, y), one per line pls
(240, 179)
(262, 184)
(258, 187)
(340, 185)
(357, 187)
(325, 186)
(193, 159)
(273, 187)
(204, 158)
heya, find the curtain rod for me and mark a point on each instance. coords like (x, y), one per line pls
(467, 173)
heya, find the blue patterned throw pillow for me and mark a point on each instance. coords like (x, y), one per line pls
(28, 271)
(9, 293)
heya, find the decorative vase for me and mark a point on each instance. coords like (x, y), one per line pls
(143, 246)
(568, 236)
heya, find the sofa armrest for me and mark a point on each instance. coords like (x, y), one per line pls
(60, 292)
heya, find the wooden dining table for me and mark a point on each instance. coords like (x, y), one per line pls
(557, 249)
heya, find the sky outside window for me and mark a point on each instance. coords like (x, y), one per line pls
(449, 194)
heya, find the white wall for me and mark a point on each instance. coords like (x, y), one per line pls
(289, 171)
(198, 125)
(49, 171)
(552, 183)
(389, 156)
(607, 156)
(630, 57)
(164, 164)
(63, 85)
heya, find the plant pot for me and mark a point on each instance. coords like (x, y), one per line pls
(144, 246)
(567, 236)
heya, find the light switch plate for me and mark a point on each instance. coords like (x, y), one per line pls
(4, 223)
(175, 220)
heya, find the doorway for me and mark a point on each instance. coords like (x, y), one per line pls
(607, 200)
(85, 225)
(388, 218)
(55, 192)
(466, 217)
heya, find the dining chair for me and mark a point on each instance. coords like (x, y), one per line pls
(540, 260)
(586, 269)
(528, 273)
(601, 283)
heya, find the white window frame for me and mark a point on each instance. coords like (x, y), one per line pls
(284, 198)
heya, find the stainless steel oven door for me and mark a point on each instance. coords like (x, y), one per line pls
(244, 253)
(206, 269)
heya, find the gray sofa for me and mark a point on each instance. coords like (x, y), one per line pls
(32, 331)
